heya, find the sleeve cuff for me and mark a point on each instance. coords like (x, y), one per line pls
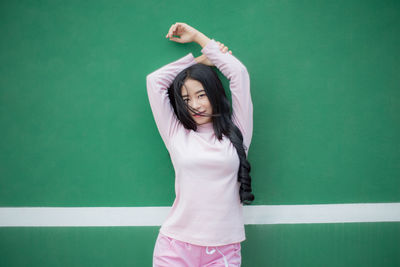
(209, 46)
(189, 57)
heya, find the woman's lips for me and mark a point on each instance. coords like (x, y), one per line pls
(201, 113)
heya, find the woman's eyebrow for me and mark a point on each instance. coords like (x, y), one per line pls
(196, 92)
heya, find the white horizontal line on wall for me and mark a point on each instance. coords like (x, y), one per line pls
(155, 216)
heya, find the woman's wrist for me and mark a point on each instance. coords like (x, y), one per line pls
(201, 39)
(199, 59)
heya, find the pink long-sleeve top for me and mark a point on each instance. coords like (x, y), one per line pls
(207, 209)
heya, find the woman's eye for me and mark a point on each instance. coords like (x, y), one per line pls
(187, 99)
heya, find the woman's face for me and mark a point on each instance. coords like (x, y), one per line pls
(194, 95)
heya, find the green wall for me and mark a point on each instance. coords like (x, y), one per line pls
(77, 129)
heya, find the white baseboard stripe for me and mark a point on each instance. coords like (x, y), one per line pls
(155, 216)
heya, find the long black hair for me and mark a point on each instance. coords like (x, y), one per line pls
(221, 113)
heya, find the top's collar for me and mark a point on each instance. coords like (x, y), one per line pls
(205, 128)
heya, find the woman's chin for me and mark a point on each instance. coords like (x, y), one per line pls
(201, 120)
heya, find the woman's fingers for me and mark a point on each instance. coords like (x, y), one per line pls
(175, 29)
(169, 31)
(172, 30)
(223, 48)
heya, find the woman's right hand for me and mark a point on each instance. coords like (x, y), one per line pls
(204, 59)
(185, 32)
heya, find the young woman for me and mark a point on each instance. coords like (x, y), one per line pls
(208, 147)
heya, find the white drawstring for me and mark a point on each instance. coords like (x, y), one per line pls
(212, 251)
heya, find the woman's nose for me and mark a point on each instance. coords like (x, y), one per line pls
(196, 104)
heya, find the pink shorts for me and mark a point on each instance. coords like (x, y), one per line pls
(171, 252)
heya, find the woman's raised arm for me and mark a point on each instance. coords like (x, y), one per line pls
(239, 83)
(161, 79)
(158, 83)
(231, 67)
